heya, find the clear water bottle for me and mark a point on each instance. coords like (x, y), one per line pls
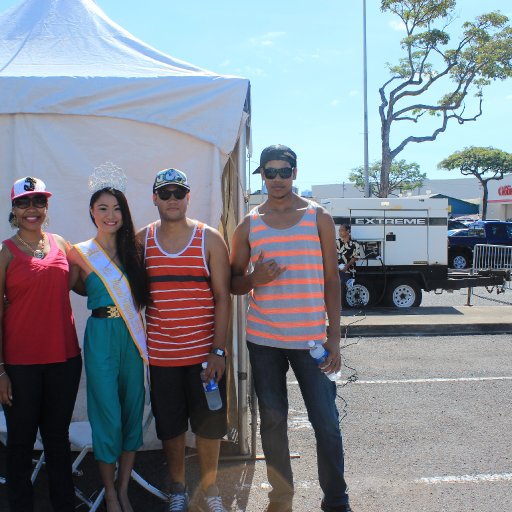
(211, 391)
(319, 354)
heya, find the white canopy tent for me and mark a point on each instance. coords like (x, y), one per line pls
(78, 90)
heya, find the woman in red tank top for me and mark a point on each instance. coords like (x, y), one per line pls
(40, 361)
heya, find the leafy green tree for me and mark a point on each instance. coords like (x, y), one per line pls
(438, 79)
(485, 164)
(403, 176)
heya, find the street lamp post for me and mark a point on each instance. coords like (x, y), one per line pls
(365, 100)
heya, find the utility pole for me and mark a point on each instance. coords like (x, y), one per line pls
(365, 100)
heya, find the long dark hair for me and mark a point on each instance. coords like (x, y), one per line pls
(130, 251)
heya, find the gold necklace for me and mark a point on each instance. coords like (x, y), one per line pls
(38, 252)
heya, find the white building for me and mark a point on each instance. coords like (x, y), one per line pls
(499, 203)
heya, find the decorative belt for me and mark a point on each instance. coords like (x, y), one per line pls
(106, 312)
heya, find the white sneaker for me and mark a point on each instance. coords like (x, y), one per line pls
(210, 501)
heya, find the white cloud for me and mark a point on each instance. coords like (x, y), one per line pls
(509, 97)
(267, 39)
(225, 63)
(307, 57)
(252, 71)
(334, 103)
(397, 25)
(353, 92)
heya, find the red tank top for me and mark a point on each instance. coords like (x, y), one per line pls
(38, 325)
(180, 317)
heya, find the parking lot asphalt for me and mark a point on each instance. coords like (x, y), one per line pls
(429, 320)
(244, 484)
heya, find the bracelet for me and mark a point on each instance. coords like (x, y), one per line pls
(3, 373)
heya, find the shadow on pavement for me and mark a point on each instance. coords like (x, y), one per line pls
(234, 481)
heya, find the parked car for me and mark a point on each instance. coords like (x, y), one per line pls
(456, 224)
(467, 219)
(458, 232)
(461, 245)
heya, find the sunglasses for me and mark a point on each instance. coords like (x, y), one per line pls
(178, 193)
(36, 201)
(271, 172)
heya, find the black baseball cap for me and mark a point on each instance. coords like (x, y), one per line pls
(276, 152)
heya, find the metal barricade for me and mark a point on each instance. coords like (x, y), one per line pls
(492, 257)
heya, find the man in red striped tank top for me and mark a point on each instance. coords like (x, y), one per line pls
(293, 282)
(187, 321)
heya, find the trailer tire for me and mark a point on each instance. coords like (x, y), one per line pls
(360, 295)
(403, 293)
(459, 261)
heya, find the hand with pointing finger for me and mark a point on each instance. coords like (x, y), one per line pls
(266, 271)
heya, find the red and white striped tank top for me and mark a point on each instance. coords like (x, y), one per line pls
(180, 315)
(289, 311)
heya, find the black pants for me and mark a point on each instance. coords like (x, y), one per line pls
(43, 398)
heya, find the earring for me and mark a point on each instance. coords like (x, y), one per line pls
(13, 221)
(46, 222)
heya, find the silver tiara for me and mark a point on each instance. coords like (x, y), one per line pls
(107, 175)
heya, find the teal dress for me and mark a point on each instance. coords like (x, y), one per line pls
(115, 380)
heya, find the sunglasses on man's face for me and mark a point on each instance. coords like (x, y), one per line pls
(36, 201)
(178, 193)
(271, 172)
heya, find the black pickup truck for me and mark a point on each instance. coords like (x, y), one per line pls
(461, 243)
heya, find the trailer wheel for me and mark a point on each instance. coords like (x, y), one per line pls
(359, 295)
(403, 293)
(459, 261)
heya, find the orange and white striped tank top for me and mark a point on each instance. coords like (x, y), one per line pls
(289, 311)
(180, 315)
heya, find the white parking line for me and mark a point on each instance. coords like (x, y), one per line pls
(423, 381)
(492, 477)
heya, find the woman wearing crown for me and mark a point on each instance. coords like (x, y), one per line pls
(112, 267)
(40, 360)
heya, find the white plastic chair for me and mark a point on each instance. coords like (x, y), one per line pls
(138, 478)
(80, 436)
(38, 463)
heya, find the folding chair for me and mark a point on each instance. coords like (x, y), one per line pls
(138, 478)
(38, 464)
(80, 436)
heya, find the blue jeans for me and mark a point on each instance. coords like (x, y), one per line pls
(269, 368)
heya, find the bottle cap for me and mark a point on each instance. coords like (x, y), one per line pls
(204, 365)
(311, 343)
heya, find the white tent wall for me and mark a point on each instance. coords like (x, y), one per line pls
(78, 90)
(63, 150)
(141, 150)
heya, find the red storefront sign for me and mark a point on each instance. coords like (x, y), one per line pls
(505, 190)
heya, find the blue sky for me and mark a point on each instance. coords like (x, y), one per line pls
(304, 61)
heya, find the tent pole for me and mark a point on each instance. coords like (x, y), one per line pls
(240, 312)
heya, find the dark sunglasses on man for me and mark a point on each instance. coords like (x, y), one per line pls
(24, 202)
(271, 172)
(178, 193)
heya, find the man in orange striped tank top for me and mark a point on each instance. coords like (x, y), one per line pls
(284, 256)
(187, 321)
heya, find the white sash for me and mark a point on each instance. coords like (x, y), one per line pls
(119, 290)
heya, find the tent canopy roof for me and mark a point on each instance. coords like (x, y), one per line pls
(68, 57)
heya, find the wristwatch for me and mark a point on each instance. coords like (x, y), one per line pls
(219, 352)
